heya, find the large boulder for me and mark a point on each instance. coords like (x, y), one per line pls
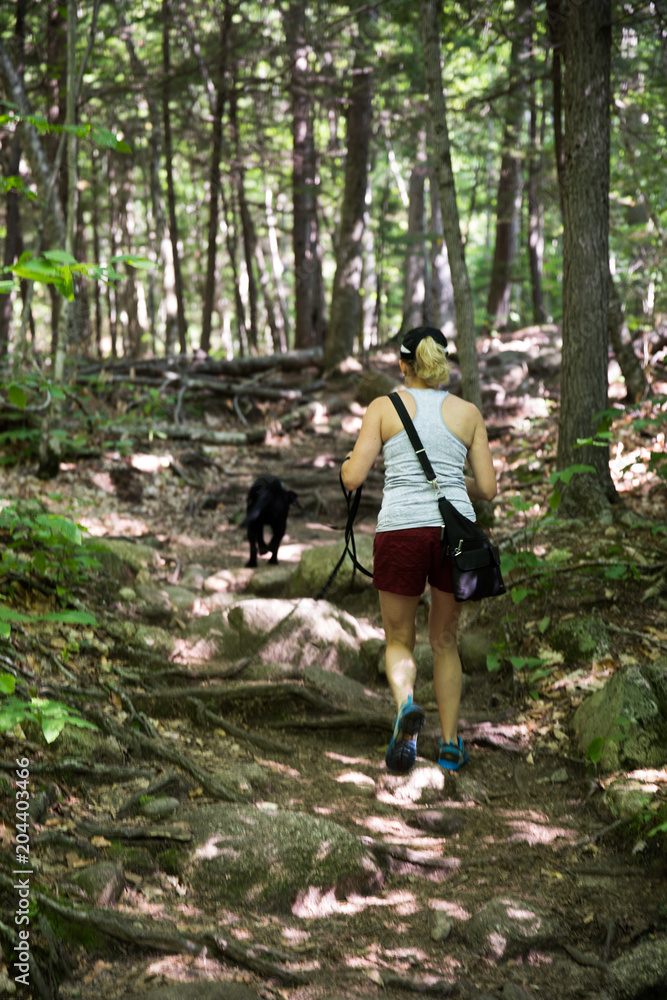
(630, 714)
(298, 633)
(274, 860)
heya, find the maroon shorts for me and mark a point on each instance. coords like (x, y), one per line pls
(404, 560)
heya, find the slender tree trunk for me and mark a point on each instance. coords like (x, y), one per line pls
(68, 309)
(441, 298)
(586, 253)
(508, 202)
(238, 178)
(34, 151)
(231, 230)
(13, 241)
(160, 247)
(535, 253)
(309, 314)
(636, 383)
(214, 177)
(346, 320)
(465, 314)
(415, 271)
(556, 25)
(277, 265)
(171, 196)
(97, 293)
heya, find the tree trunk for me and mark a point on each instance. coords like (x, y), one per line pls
(309, 312)
(68, 310)
(415, 271)
(345, 320)
(277, 266)
(441, 298)
(556, 23)
(636, 383)
(586, 253)
(535, 240)
(238, 178)
(34, 151)
(465, 315)
(161, 247)
(13, 241)
(171, 196)
(508, 202)
(214, 176)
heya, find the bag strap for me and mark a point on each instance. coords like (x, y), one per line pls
(420, 452)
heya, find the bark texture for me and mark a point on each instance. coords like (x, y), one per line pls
(508, 201)
(345, 320)
(308, 289)
(463, 304)
(586, 252)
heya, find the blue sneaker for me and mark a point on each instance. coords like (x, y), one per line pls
(402, 750)
(452, 756)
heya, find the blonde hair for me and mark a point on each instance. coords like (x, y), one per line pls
(430, 363)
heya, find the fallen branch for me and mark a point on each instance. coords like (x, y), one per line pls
(176, 432)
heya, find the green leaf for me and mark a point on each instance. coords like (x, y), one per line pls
(9, 615)
(70, 617)
(492, 661)
(596, 749)
(17, 396)
(7, 684)
(6, 287)
(59, 256)
(5, 630)
(519, 594)
(543, 624)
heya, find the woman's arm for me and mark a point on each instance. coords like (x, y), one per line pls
(358, 463)
(482, 485)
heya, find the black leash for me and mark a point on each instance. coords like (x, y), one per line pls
(352, 499)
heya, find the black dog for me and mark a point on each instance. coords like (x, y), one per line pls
(268, 504)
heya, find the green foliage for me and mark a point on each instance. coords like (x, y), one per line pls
(49, 545)
(52, 716)
(57, 268)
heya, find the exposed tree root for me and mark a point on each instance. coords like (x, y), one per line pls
(162, 936)
(254, 739)
(216, 789)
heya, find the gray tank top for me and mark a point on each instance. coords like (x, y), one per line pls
(408, 499)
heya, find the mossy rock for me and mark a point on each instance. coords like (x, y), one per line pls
(584, 638)
(273, 860)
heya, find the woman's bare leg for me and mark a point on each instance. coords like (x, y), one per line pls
(447, 674)
(398, 619)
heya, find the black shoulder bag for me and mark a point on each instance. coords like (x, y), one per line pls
(475, 560)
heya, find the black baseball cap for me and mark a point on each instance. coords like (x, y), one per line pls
(415, 337)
